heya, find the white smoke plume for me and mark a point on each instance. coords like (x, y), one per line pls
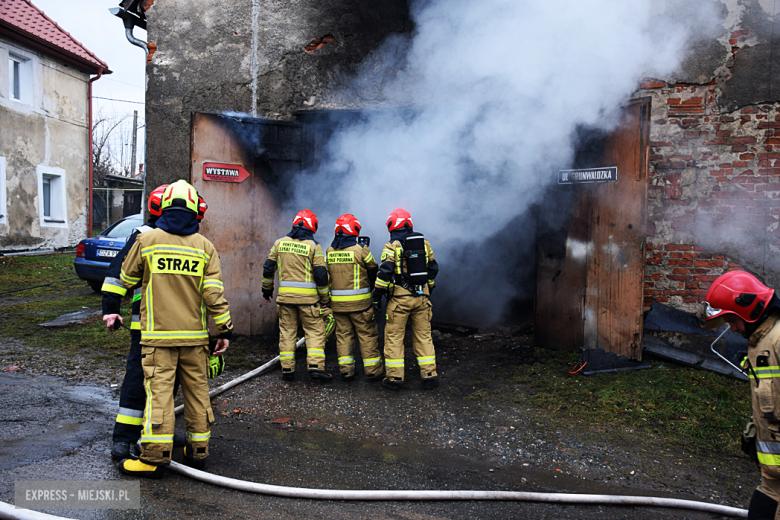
(494, 91)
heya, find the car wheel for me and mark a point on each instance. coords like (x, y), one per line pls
(96, 286)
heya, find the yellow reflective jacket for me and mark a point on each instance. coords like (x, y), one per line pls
(764, 373)
(181, 279)
(392, 265)
(350, 283)
(303, 275)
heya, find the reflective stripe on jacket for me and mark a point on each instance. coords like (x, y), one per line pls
(303, 275)
(181, 280)
(764, 367)
(113, 290)
(351, 270)
(392, 266)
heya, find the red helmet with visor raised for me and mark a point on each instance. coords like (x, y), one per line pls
(155, 200)
(348, 224)
(736, 293)
(307, 219)
(398, 219)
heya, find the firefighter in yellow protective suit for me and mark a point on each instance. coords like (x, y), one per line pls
(753, 310)
(406, 277)
(352, 271)
(303, 294)
(181, 279)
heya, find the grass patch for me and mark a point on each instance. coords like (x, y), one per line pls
(696, 408)
(21, 321)
(19, 272)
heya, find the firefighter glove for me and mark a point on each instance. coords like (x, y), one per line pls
(267, 293)
(216, 366)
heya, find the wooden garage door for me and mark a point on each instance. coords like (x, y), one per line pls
(589, 290)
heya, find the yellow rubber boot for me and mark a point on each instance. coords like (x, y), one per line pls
(138, 468)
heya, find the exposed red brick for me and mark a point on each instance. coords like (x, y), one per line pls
(748, 110)
(708, 263)
(723, 133)
(741, 140)
(673, 101)
(737, 34)
(653, 84)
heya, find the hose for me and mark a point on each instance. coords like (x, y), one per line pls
(36, 286)
(249, 375)
(8, 511)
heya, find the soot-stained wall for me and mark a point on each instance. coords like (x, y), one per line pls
(266, 59)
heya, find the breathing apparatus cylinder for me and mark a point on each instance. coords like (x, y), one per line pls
(416, 261)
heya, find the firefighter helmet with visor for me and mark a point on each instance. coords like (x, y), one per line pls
(348, 224)
(180, 195)
(155, 201)
(736, 293)
(307, 219)
(398, 219)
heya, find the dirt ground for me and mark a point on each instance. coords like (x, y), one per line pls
(471, 433)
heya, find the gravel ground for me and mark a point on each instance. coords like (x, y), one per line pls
(493, 436)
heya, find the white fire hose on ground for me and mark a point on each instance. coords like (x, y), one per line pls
(10, 512)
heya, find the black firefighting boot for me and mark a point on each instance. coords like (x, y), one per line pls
(347, 378)
(390, 384)
(138, 468)
(377, 377)
(189, 461)
(120, 450)
(430, 383)
(320, 375)
(288, 374)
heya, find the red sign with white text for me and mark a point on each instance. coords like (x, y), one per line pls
(219, 172)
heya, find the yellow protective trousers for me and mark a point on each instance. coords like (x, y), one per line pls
(419, 311)
(161, 364)
(363, 324)
(310, 319)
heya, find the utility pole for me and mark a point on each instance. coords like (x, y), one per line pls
(135, 141)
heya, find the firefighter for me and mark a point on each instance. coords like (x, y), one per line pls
(127, 428)
(406, 277)
(181, 281)
(352, 270)
(753, 310)
(303, 294)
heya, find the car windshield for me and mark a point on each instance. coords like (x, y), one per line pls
(122, 229)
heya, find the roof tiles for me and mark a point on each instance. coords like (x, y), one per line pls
(24, 17)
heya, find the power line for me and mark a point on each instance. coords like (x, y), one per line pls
(120, 100)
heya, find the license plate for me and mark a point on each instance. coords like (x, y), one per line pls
(107, 252)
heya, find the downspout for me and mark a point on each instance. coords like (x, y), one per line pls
(130, 21)
(89, 196)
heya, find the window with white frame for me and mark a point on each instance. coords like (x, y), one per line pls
(52, 207)
(3, 208)
(19, 78)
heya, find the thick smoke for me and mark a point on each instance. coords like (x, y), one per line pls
(487, 96)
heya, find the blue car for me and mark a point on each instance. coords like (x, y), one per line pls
(93, 255)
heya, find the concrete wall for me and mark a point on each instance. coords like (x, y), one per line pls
(46, 133)
(266, 59)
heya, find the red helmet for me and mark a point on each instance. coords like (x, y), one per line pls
(306, 219)
(348, 224)
(738, 293)
(398, 219)
(155, 200)
(202, 207)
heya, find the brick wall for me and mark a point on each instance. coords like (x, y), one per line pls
(713, 194)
